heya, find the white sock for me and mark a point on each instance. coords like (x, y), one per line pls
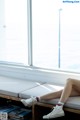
(60, 103)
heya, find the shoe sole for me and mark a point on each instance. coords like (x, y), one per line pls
(55, 116)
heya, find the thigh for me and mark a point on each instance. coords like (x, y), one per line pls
(76, 84)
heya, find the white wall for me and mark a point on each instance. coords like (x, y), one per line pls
(36, 74)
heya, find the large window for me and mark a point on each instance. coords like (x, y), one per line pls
(41, 33)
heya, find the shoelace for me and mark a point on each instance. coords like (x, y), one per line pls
(54, 109)
(51, 112)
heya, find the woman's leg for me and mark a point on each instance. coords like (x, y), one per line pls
(71, 89)
(52, 95)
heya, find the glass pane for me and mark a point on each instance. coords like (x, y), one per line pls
(56, 37)
(45, 33)
(13, 35)
(70, 37)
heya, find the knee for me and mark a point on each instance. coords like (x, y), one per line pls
(70, 81)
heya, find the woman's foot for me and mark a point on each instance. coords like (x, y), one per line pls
(29, 102)
(56, 112)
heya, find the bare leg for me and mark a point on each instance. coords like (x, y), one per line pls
(52, 95)
(72, 88)
(69, 90)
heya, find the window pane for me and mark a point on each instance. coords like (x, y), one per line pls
(56, 37)
(45, 33)
(70, 37)
(13, 31)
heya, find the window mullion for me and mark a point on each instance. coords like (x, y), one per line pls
(30, 32)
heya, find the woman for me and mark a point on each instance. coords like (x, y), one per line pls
(71, 88)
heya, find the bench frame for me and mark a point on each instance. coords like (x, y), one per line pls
(10, 97)
(38, 107)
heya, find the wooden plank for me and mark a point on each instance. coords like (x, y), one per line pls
(65, 108)
(9, 97)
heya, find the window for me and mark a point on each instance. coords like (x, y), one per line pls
(56, 37)
(13, 31)
(46, 37)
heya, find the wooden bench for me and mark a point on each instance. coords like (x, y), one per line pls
(40, 109)
(11, 90)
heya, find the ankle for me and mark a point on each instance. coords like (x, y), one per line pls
(38, 99)
(60, 103)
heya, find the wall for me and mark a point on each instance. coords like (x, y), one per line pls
(34, 74)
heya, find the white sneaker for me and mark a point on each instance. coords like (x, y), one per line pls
(28, 102)
(56, 112)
